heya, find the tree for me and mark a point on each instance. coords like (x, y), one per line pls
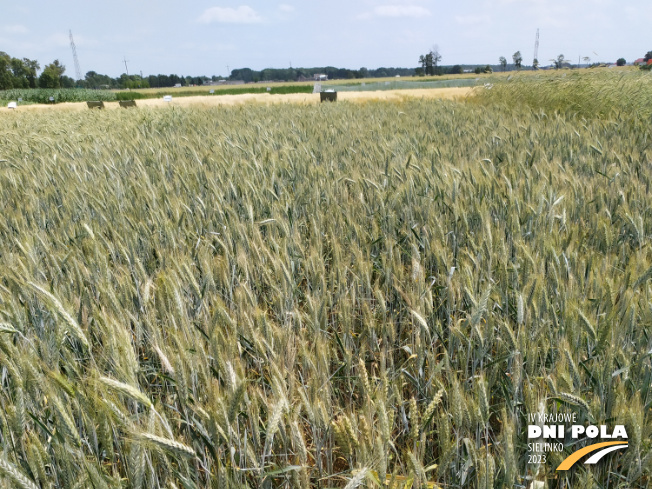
(587, 60)
(19, 72)
(427, 63)
(621, 62)
(559, 62)
(422, 62)
(31, 68)
(645, 65)
(67, 82)
(503, 62)
(153, 81)
(47, 80)
(51, 76)
(244, 74)
(6, 80)
(436, 56)
(518, 59)
(535, 64)
(430, 60)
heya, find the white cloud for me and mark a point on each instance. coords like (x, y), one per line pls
(227, 15)
(284, 7)
(15, 29)
(401, 11)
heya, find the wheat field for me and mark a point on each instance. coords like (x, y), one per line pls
(336, 295)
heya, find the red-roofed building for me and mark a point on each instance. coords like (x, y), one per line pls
(639, 61)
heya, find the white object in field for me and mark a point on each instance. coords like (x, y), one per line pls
(51, 99)
(269, 89)
(330, 90)
(167, 98)
(211, 91)
(537, 485)
(12, 105)
(317, 88)
(20, 99)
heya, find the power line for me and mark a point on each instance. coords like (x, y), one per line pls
(126, 69)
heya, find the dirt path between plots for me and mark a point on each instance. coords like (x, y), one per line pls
(265, 98)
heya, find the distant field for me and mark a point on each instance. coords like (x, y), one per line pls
(282, 87)
(225, 90)
(374, 295)
(263, 98)
(43, 95)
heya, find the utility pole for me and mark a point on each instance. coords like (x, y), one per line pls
(74, 56)
(536, 48)
(126, 69)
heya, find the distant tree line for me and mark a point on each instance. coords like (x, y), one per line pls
(26, 73)
(97, 80)
(248, 75)
(23, 73)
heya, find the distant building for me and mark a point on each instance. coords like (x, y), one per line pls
(320, 77)
(639, 61)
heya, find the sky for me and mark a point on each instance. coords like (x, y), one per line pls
(207, 37)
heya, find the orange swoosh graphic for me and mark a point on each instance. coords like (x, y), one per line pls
(574, 457)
